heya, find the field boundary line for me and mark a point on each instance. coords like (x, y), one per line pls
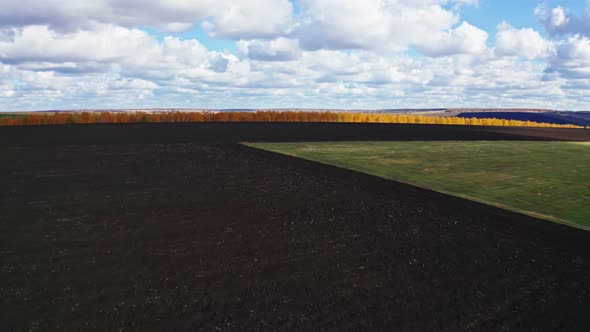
(449, 193)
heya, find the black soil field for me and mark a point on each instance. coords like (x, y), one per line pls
(166, 133)
(178, 227)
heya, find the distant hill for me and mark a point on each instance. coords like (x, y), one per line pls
(574, 118)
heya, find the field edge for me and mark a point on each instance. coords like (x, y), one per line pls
(449, 193)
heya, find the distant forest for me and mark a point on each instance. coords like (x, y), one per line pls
(573, 118)
(264, 116)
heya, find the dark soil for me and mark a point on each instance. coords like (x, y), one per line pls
(191, 231)
(166, 133)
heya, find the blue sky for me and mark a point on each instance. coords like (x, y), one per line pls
(519, 13)
(353, 54)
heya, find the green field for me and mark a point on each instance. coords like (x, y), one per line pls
(550, 180)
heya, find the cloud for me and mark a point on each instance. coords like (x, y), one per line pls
(525, 42)
(336, 24)
(561, 21)
(465, 39)
(246, 19)
(387, 26)
(182, 73)
(381, 25)
(467, 2)
(39, 43)
(224, 19)
(280, 49)
(219, 64)
(105, 48)
(571, 60)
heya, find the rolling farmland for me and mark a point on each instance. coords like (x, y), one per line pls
(177, 226)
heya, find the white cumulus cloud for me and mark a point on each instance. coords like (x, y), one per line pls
(465, 39)
(387, 26)
(571, 59)
(233, 18)
(524, 42)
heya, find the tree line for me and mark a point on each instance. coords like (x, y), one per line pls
(258, 116)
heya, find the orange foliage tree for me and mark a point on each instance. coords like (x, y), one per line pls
(259, 116)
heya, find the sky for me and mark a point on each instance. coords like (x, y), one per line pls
(340, 54)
